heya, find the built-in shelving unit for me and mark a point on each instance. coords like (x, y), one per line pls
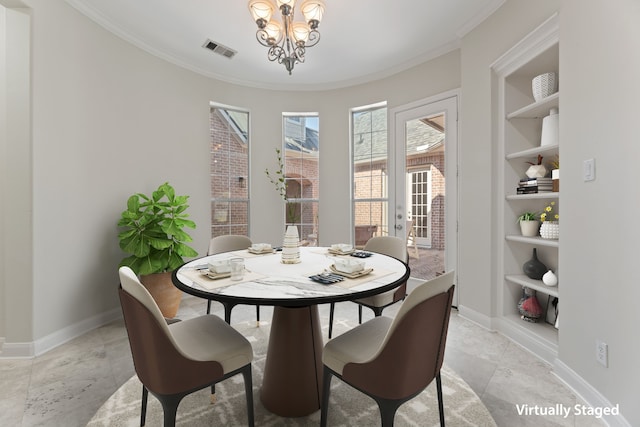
(519, 124)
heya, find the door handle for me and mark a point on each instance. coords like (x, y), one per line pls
(398, 227)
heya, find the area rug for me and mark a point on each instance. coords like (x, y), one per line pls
(348, 407)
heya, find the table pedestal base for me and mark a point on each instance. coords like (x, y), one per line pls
(292, 383)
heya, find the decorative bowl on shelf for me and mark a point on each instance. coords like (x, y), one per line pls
(544, 85)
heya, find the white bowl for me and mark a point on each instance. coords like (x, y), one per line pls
(342, 247)
(261, 247)
(220, 266)
(347, 265)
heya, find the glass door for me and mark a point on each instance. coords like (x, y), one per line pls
(424, 137)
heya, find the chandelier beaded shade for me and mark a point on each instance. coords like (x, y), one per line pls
(287, 40)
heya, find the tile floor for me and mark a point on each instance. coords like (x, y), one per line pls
(65, 386)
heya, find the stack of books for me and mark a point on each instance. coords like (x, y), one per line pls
(534, 185)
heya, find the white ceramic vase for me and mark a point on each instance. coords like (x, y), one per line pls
(544, 85)
(550, 279)
(550, 130)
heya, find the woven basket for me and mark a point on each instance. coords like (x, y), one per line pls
(544, 85)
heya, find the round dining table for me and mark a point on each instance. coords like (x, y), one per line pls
(292, 380)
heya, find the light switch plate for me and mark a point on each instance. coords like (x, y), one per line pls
(589, 170)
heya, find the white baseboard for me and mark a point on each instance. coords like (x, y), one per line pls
(476, 317)
(568, 376)
(40, 346)
(588, 393)
(17, 350)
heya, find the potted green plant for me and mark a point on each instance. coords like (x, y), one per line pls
(528, 224)
(152, 232)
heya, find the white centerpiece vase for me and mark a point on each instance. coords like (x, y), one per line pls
(291, 246)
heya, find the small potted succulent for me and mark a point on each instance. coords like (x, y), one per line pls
(152, 232)
(529, 224)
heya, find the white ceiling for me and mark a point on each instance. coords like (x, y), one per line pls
(361, 40)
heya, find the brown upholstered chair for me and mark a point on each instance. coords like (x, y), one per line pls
(393, 360)
(226, 243)
(175, 360)
(387, 245)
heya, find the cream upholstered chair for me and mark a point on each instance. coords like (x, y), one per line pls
(175, 360)
(387, 245)
(412, 239)
(393, 360)
(226, 243)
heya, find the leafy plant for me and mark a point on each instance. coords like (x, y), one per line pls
(555, 163)
(153, 231)
(528, 216)
(548, 214)
(278, 178)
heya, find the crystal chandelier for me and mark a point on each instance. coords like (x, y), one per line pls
(287, 41)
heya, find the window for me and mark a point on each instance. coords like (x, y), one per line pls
(370, 176)
(229, 171)
(301, 160)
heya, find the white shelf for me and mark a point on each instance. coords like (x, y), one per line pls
(534, 196)
(540, 331)
(521, 279)
(539, 241)
(519, 135)
(536, 110)
(533, 152)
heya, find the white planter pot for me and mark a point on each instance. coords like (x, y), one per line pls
(550, 230)
(529, 228)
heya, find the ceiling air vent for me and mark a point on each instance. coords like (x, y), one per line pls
(219, 49)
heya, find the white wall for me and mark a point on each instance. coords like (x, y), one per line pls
(480, 48)
(599, 69)
(110, 120)
(598, 80)
(16, 294)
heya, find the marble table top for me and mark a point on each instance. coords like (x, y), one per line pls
(268, 281)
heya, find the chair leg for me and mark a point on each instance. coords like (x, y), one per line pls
(326, 388)
(257, 315)
(360, 314)
(248, 387)
(143, 415)
(440, 404)
(388, 409)
(331, 309)
(208, 306)
(170, 408)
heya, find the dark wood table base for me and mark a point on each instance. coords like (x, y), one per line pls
(292, 382)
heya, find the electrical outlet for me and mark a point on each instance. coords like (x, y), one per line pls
(602, 353)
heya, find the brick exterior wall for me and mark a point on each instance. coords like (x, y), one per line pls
(370, 181)
(229, 179)
(302, 183)
(434, 161)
